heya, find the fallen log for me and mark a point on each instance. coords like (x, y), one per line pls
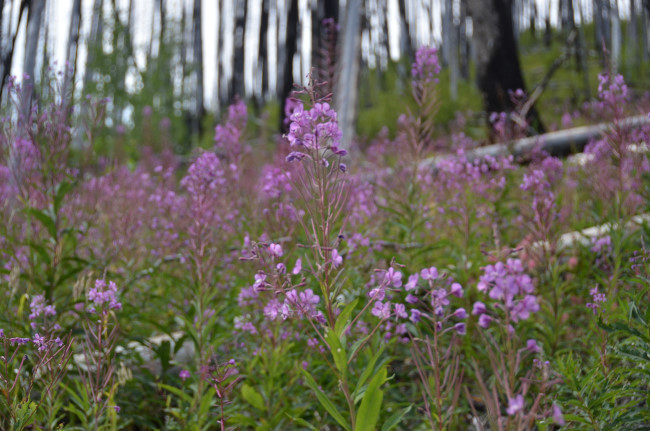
(560, 143)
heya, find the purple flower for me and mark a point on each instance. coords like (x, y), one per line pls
(184, 374)
(117, 409)
(104, 294)
(337, 259)
(260, 280)
(411, 299)
(532, 346)
(558, 417)
(515, 405)
(456, 290)
(272, 309)
(460, 328)
(412, 282)
(484, 321)
(415, 315)
(426, 65)
(460, 313)
(297, 267)
(400, 311)
(429, 273)
(393, 277)
(275, 250)
(381, 310)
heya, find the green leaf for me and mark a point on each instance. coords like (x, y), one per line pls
(176, 391)
(45, 219)
(302, 422)
(369, 369)
(252, 397)
(396, 418)
(325, 402)
(342, 321)
(338, 352)
(368, 413)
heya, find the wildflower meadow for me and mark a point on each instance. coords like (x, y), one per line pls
(295, 282)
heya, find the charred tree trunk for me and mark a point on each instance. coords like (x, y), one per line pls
(34, 25)
(291, 47)
(497, 61)
(405, 32)
(263, 49)
(240, 42)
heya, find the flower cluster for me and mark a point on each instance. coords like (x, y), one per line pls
(510, 288)
(104, 296)
(597, 298)
(315, 129)
(438, 290)
(426, 66)
(227, 137)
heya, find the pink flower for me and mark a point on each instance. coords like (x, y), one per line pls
(297, 267)
(400, 311)
(381, 310)
(337, 259)
(558, 417)
(184, 374)
(479, 308)
(429, 273)
(412, 282)
(275, 250)
(460, 313)
(393, 277)
(532, 346)
(484, 321)
(515, 405)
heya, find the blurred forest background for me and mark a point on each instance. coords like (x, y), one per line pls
(170, 67)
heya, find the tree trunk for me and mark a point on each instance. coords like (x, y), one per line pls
(240, 42)
(452, 56)
(406, 47)
(497, 60)
(8, 57)
(197, 52)
(34, 25)
(263, 49)
(92, 45)
(616, 38)
(290, 49)
(346, 88)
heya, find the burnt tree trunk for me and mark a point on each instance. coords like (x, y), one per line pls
(240, 42)
(405, 32)
(263, 45)
(497, 61)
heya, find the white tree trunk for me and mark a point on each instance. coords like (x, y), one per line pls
(346, 89)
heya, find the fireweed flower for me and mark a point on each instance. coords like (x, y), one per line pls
(426, 66)
(227, 137)
(510, 288)
(315, 129)
(104, 296)
(275, 250)
(515, 405)
(337, 259)
(597, 298)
